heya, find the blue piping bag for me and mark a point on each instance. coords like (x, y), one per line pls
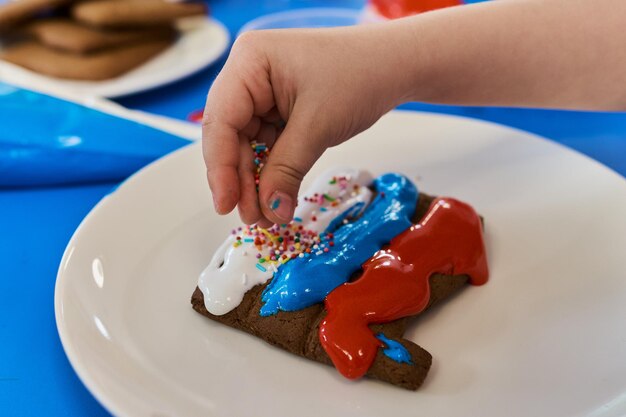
(46, 141)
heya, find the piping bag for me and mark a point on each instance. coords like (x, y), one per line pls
(47, 140)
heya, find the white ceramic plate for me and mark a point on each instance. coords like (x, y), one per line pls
(201, 43)
(545, 337)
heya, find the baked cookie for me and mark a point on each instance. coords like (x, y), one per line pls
(71, 36)
(102, 65)
(339, 283)
(134, 13)
(15, 13)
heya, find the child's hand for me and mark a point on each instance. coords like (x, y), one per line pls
(326, 85)
(300, 92)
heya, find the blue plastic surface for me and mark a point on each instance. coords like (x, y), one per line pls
(35, 225)
(49, 141)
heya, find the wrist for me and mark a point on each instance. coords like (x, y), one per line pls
(418, 59)
(401, 60)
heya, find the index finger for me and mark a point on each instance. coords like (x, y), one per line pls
(229, 109)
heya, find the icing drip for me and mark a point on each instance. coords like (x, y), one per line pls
(306, 281)
(394, 350)
(251, 255)
(395, 282)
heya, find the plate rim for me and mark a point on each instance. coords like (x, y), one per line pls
(342, 12)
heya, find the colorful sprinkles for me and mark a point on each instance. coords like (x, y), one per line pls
(281, 243)
(261, 153)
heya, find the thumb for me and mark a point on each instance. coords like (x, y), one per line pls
(292, 156)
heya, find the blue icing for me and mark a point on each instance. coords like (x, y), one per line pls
(303, 282)
(394, 350)
(337, 222)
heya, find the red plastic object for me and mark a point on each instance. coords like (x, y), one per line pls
(196, 116)
(394, 9)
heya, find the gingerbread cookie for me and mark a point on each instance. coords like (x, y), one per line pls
(15, 13)
(101, 65)
(341, 291)
(71, 36)
(134, 13)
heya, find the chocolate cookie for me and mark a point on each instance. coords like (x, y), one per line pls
(14, 13)
(298, 331)
(101, 65)
(71, 36)
(134, 13)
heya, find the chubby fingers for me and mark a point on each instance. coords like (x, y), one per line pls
(248, 206)
(297, 148)
(228, 111)
(240, 94)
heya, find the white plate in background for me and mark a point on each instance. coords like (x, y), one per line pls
(545, 337)
(201, 42)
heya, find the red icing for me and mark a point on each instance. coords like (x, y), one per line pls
(393, 9)
(394, 284)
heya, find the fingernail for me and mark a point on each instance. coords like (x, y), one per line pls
(281, 205)
(215, 203)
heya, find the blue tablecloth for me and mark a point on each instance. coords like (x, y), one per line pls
(36, 224)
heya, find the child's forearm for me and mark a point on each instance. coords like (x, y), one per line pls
(543, 53)
(303, 91)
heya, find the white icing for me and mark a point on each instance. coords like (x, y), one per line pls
(233, 270)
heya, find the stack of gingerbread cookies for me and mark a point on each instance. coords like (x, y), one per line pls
(89, 39)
